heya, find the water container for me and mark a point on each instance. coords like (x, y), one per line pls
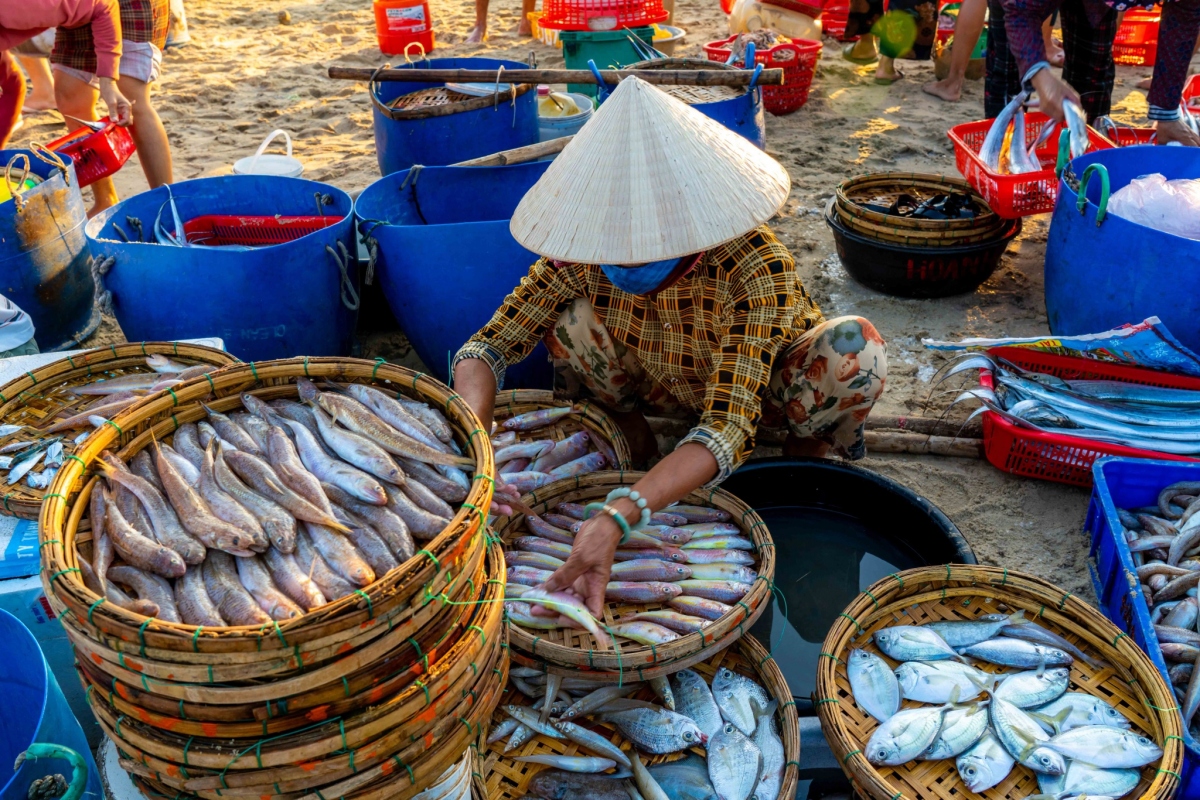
(1103, 271)
(403, 24)
(740, 110)
(477, 127)
(558, 127)
(445, 258)
(263, 163)
(298, 298)
(34, 711)
(609, 49)
(43, 253)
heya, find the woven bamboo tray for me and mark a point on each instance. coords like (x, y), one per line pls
(568, 650)
(39, 398)
(590, 418)
(393, 742)
(956, 591)
(852, 193)
(507, 779)
(693, 94)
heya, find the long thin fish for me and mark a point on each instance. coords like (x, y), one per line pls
(197, 518)
(989, 153)
(279, 525)
(149, 587)
(167, 528)
(329, 469)
(223, 504)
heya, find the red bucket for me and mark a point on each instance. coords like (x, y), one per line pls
(97, 154)
(797, 59)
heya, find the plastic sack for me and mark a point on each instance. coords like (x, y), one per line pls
(751, 15)
(1153, 201)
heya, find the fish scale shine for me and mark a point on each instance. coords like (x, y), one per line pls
(873, 684)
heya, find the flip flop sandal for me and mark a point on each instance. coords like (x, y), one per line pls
(889, 81)
(848, 54)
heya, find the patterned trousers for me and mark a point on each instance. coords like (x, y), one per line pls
(823, 385)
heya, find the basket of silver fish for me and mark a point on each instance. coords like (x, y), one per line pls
(1049, 416)
(683, 587)
(962, 679)
(915, 209)
(725, 728)
(46, 413)
(538, 440)
(270, 596)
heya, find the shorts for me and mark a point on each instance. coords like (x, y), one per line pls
(141, 61)
(37, 47)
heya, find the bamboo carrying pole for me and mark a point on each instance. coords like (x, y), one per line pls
(519, 155)
(667, 77)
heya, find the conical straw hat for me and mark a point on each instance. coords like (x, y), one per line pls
(648, 178)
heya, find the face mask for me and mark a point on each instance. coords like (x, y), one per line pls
(644, 279)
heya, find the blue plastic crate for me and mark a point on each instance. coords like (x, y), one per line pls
(1132, 483)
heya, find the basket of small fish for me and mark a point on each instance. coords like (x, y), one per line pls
(47, 413)
(1144, 523)
(1050, 417)
(274, 597)
(685, 586)
(916, 209)
(1014, 160)
(539, 439)
(956, 679)
(725, 728)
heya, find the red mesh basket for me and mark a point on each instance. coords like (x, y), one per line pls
(601, 15)
(216, 230)
(1053, 457)
(835, 16)
(1136, 43)
(97, 154)
(1013, 196)
(797, 59)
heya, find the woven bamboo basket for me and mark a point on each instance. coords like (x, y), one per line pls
(43, 396)
(568, 650)
(693, 94)
(590, 418)
(955, 591)
(853, 193)
(507, 779)
(395, 739)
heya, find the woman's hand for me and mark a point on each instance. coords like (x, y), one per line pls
(1052, 93)
(120, 110)
(1175, 130)
(587, 570)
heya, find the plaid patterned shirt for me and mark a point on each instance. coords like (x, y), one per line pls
(710, 339)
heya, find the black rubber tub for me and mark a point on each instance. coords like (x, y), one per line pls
(905, 271)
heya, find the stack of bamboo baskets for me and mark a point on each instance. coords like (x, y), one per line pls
(372, 696)
(854, 196)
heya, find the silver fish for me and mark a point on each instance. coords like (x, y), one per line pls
(22, 467)
(358, 451)
(498, 732)
(694, 699)
(1077, 124)
(257, 580)
(592, 741)
(767, 740)
(148, 587)
(231, 432)
(662, 688)
(192, 600)
(54, 455)
(580, 466)
(1032, 632)
(1087, 780)
(964, 633)
(727, 592)
(573, 447)
(700, 607)
(738, 557)
(734, 763)
(520, 736)
(686, 779)
(1023, 738)
(657, 732)
(1018, 653)
(937, 681)
(739, 698)
(1111, 748)
(1034, 687)
(646, 633)
(293, 581)
(700, 513)
(961, 729)
(573, 609)
(985, 765)
(641, 592)
(873, 684)
(650, 569)
(680, 623)
(529, 718)
(905, 735)
(597, 698)
(989, 153)
(1019, 161)
(570, 763)
(913, 643)
(647, 786)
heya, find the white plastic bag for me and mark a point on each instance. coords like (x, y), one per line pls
(1154, 201)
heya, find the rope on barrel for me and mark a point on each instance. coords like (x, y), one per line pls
(350, 298)
(99, 269)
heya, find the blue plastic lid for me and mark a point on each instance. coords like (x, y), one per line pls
(18, 548)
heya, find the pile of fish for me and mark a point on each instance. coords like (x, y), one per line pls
(525, 465)
(734, 721)
(1077, 744)
(273, 511)
(113, 395)
(690, 563)
(1006, 150)
(1129, 414)
(1164, 541)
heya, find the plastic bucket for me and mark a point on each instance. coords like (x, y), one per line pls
(558, 127)
(482, 128)
(298, 298)
(446, 265)
(269, 164)
(609, 49)
(43, 253)
(35, 711)
(1103, 271)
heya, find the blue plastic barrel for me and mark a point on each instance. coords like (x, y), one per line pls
(34, 710)
(298, 298)
(44, 263)
(445, 258)
(404, 137)
(742, 114)
(1103, 271)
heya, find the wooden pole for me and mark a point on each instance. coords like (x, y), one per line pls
(920, 444)
(662, 77)
(518, 155)
(927, 425)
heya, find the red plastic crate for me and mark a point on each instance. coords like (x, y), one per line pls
(797, 59)
(1012, 196)
(217, 230)
(1127, 137)
(601, 15)
(1136, 43)
(97, 154)
(1053, 457)
(835, 16)
(1191, 92)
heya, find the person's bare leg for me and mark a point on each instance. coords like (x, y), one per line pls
(153, 149)
(479, 32)
(38, 70)
(78, 99)
(527, 8)
(12, 92)
(967, 30)
(886, 71)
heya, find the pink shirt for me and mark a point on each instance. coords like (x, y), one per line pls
(24, 19)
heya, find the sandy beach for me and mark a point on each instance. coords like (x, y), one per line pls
(246, 72)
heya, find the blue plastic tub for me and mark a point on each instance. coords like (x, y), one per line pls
(1103, 271)
(445, 258)
(407, 137)
(743, 114)
(34, 710)
(1132, 483)
(278, 301)
(44, 260)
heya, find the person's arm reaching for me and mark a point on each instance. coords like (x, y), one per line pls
(1176, 42)
(106, 36)
(1023, 22)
